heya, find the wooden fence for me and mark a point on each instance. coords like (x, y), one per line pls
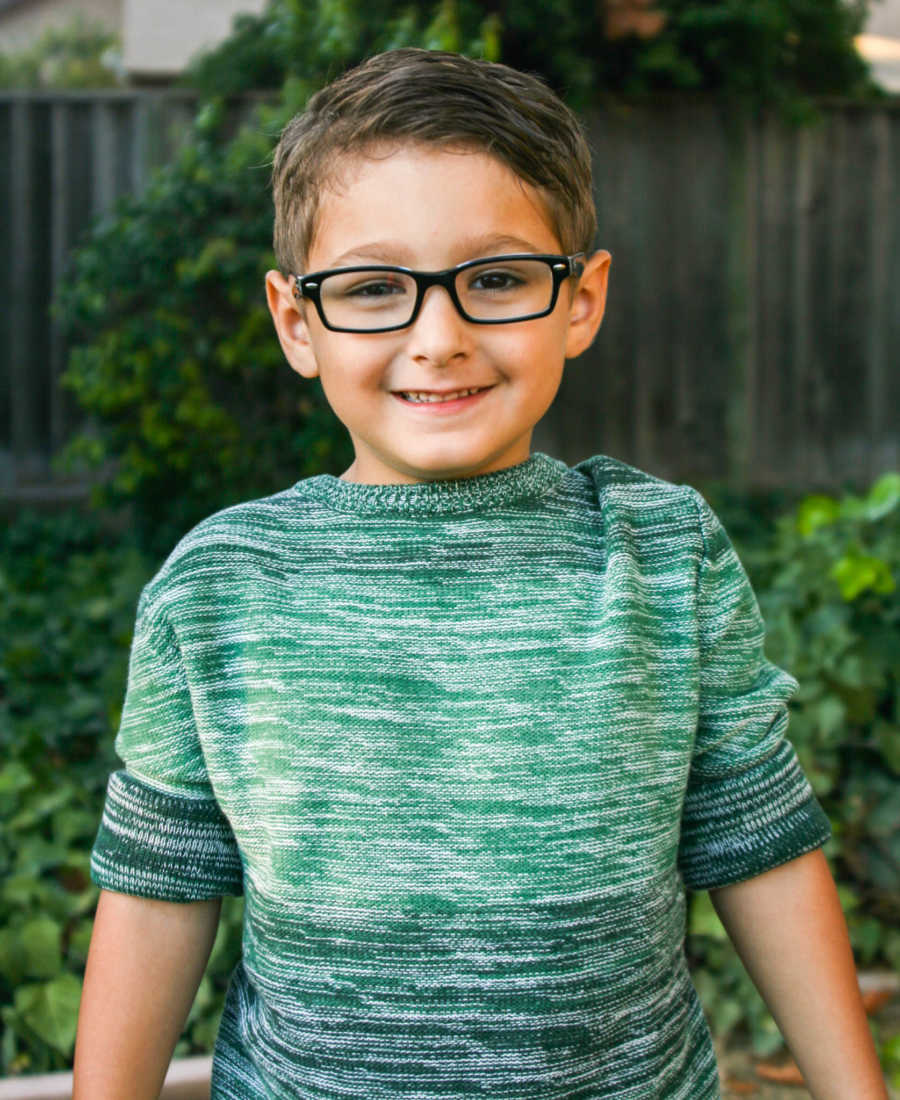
(65, 157)
(753, 325)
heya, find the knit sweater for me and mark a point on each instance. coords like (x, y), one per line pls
(462, 745)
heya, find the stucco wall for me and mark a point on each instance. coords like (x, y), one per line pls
(880, 45)
(161, 36)
(884, 18)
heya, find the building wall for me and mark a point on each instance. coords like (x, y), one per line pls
(160, 36)
(884, 18)
(21, 24)
(880, 44)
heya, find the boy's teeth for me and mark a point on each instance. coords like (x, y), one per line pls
(433, 397)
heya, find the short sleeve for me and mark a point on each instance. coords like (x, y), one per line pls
(162, 834)
(748, 805)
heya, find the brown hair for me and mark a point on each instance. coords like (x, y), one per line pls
(433, 97)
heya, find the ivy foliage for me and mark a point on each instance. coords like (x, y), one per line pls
(193, 406)
(827, 581)
(831, 603)
(67, 598)
(69, 586)
(762, 53)
(173, 353)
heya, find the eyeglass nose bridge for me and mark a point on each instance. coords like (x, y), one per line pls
(426, 280)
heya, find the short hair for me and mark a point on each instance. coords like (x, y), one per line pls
(435, 98)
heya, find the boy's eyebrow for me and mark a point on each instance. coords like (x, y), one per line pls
(398, 254)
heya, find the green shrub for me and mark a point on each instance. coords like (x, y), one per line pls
(827, 587)
(68, 591)
(192, 404)
(830, 599)
(174, 356)
(79, 54)
(759, 53)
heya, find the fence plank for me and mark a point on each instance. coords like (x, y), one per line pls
(59, 245)
(773, 404)
(24, 356)
(882, 346)
(7, 157)
(745, 289)
(848, 370)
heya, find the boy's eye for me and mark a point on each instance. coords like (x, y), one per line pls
(495, 280)
(374, 288)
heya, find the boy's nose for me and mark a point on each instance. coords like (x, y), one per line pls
(440, 332)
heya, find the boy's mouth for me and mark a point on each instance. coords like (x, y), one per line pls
(433, 397)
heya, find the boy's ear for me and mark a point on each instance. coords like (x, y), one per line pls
(588, 304)
(290, 324)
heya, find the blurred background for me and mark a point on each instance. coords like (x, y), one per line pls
(747, 180)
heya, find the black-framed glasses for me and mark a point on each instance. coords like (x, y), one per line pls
(496, 290)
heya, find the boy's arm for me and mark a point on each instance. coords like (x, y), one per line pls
(145, 963)
(789, 930)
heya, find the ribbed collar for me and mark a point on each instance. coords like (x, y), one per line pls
(531, 478)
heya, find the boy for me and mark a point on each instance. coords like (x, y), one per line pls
(462, 722)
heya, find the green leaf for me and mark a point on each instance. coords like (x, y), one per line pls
(80, 940)
(8, 1042)
(866, 934)
(15, 777)
(42, 806)
(704, 920)
(69, 825)
(39, 940)
(856, 573)
(97, 609)
(890, 1053)
(884, 820)
(883, 497)
(887, 737)
(814, 512)
(36, 855)
(892, 948)
(849, 898)
(51, 1010)
(11, 962)
(766, 1038)
(830, 716)
(726, 1014)
(24, 891)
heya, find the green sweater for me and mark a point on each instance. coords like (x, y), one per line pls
(461, 745)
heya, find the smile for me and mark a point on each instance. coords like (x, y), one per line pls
(445, 401)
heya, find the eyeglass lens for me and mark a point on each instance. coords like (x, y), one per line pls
(501, 291)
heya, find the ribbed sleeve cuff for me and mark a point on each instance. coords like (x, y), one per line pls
(742, 825)
(158, 845)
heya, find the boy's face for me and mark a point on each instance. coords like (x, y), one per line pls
(430, 209)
